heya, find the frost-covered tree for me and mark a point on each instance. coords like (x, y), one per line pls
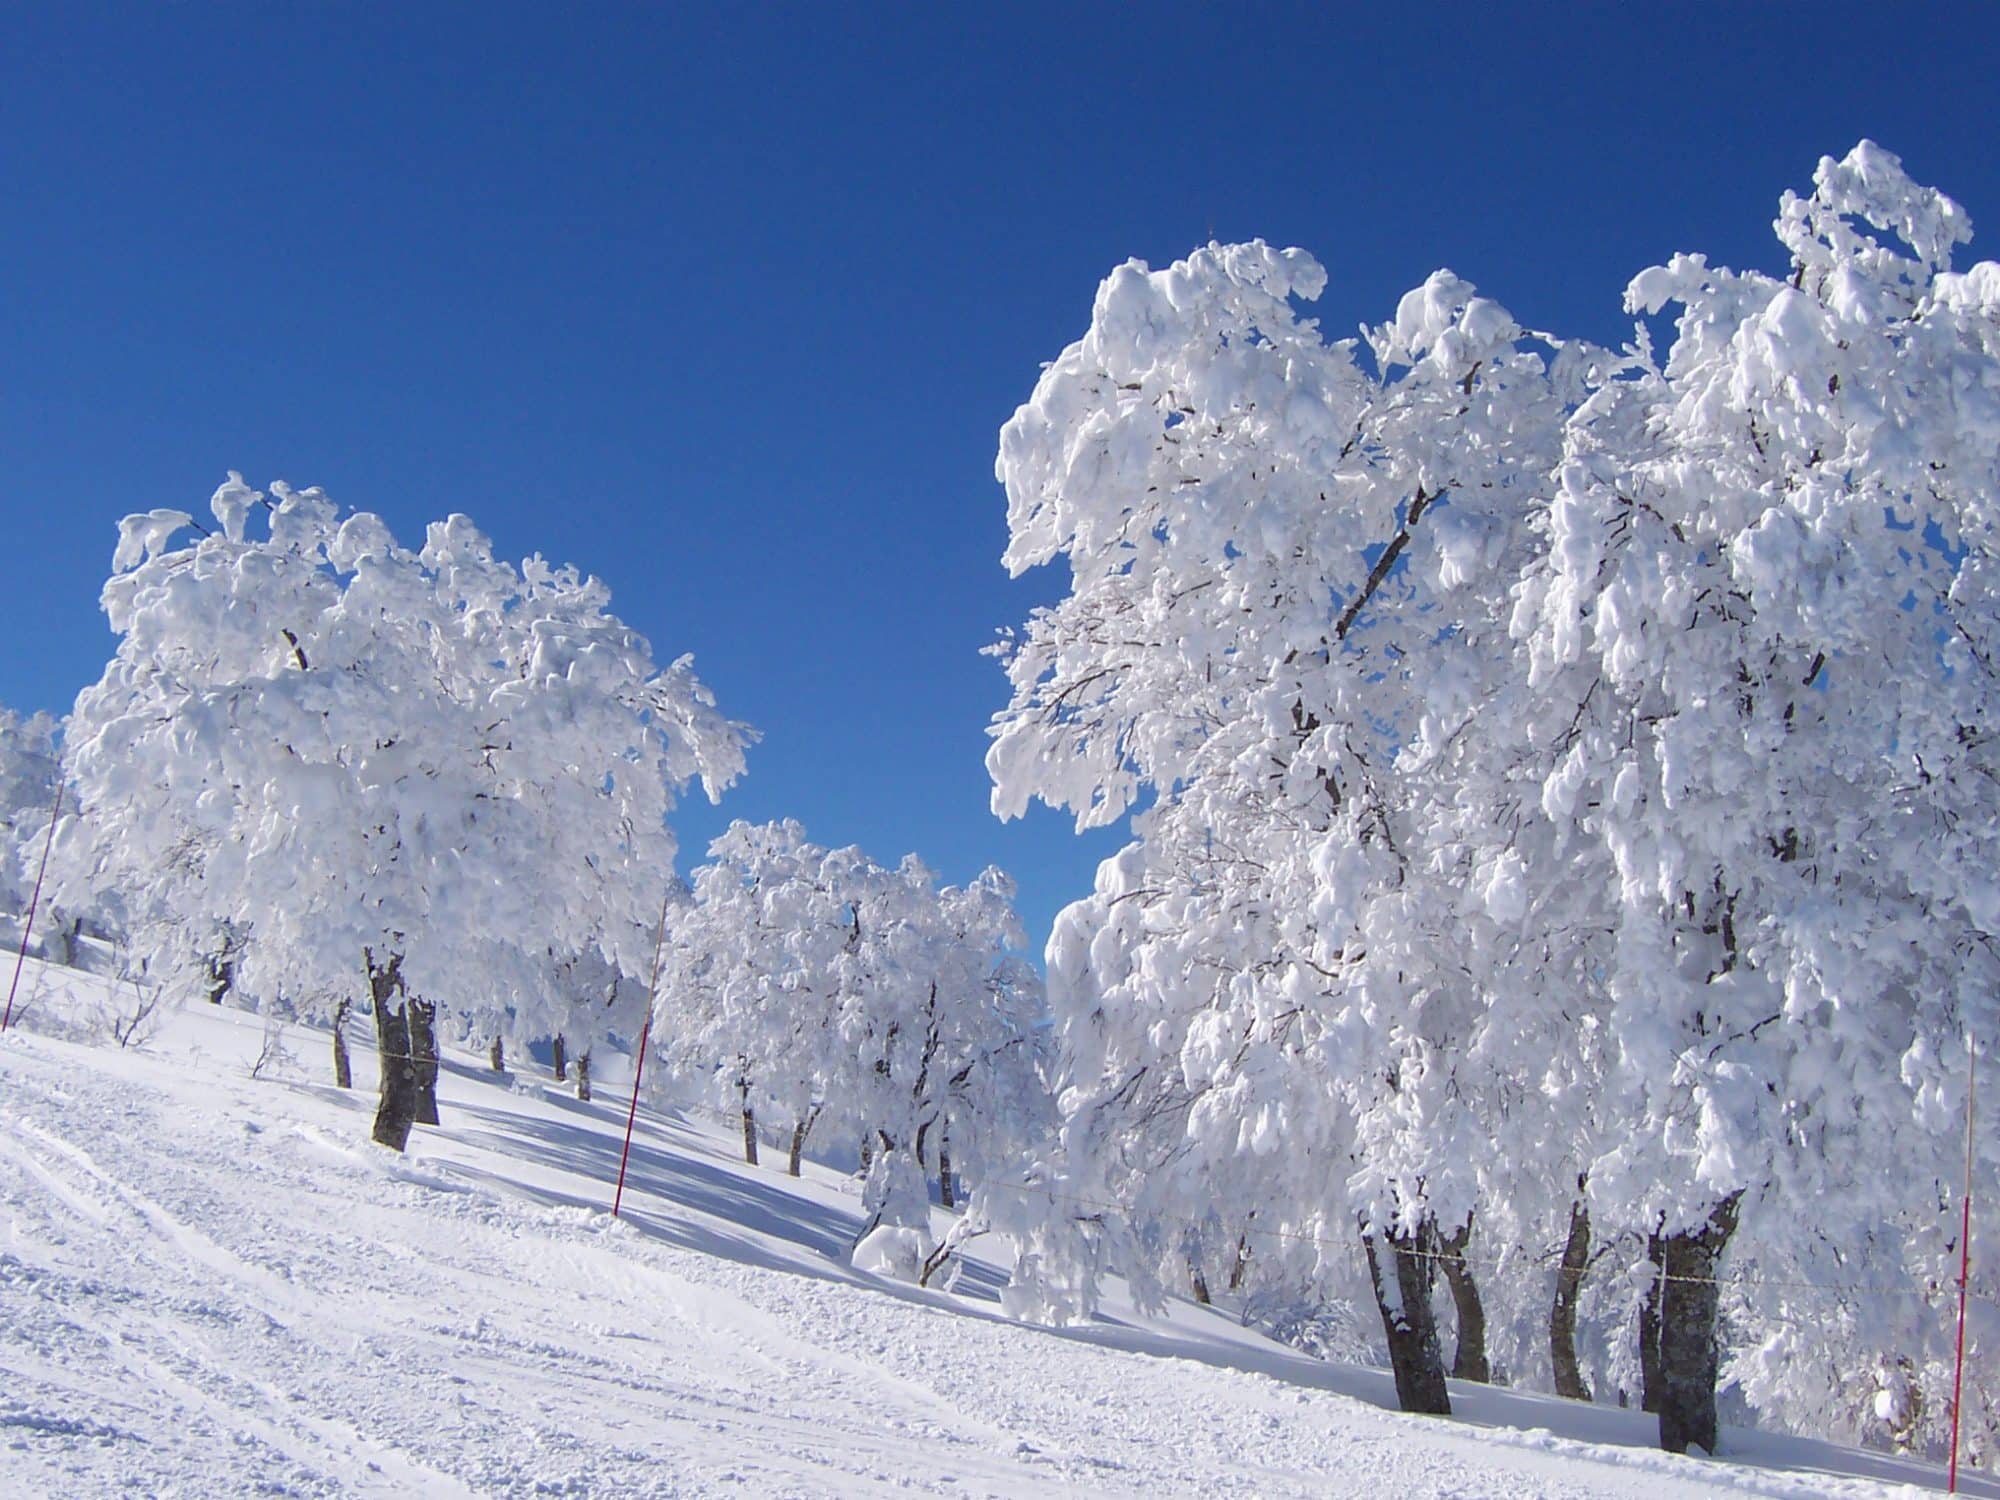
(1290, 564)
(29, 766)
(1562, 793)
(752, 979)
(834, 996)
(949, 1023)
(419, 770)
(1767, 614)
(982, 1092)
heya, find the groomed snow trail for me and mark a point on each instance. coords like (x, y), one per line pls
(212, 1285)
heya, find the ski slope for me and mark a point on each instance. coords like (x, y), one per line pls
(213, 1284)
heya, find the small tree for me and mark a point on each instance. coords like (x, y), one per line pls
(865, 1005)
(28, 770)
(751, 978)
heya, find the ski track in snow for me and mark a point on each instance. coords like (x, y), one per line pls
(212, 1285)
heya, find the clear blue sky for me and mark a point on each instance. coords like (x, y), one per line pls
(727, 305)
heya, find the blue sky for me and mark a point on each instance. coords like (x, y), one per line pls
(727, 306)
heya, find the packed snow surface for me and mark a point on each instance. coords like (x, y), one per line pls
(213, 1284)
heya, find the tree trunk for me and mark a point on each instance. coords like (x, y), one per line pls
(343, 1070)
(749, 1122)
(1241, 1267)
(867, 1151)
(559, 1059)
(1199, 1283)
(60, 932)
(799, 1133)
(397, 1109)
(1690, 1304)
(1403, 1297)
(1650, 1381)
(947, 1192)
(497, 1057)
(583, 1077)
(1562, 1315)
(1469, 1359)
(424, 1057)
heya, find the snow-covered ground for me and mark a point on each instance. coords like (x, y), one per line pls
(212, 1284)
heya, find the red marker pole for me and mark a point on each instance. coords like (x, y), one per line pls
(618, 1197)
(28, 923)
(1964, 1272)
(639, 1067)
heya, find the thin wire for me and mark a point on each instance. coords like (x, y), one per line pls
(1301, 1236)
(1964, 1264)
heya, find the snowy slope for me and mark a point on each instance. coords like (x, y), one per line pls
(213, 1285)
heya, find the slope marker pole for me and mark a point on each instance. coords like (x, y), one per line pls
(1964, 1269)
(28, 922)
(639, 1067)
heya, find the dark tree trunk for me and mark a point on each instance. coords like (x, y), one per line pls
(749, 1122)
(1562, 1315)
(867, 1151)
(397, 1110)
(497, 1057)
(221, 979)
(1650, 1380)
(1690, 1303)
(559, 1059)
(583, 1077)
(1403, 1297)
(1241, 1266)
(1469, 1359)
(424, 1057)
(947, 1191)
(343, 1070)
(799, 1133)
(1199, 1283)
(60, 932)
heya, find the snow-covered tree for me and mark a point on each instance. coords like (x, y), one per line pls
(1290, 564)
(1767, 614)
(422, 770)
(818, 989)
(948, 1022)
(1563, 797)
(29, 766)
(752, 979)
(983, 1094)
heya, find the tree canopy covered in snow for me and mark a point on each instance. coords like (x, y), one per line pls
(819, 991)
(1563, 806)
(429, 770)
(29, 766)
(1562, 794)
